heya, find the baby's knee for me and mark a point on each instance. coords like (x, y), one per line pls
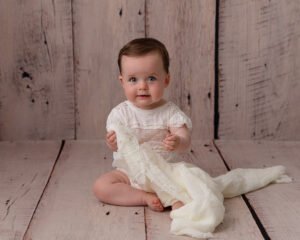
(100, 189)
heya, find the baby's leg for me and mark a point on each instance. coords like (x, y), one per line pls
(114, 188)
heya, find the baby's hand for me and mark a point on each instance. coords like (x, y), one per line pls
(111, 141)
(171, 142)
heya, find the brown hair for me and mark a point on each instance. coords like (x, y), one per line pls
(142, 46)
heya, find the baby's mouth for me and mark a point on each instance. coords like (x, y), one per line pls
(143, 95)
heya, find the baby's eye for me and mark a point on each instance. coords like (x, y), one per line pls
(151, 79)
(132, 80)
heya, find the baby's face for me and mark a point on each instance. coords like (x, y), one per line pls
(144, 80)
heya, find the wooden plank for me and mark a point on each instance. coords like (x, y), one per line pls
(187, 28)
(36, 70)
(101, 29)
(69, 210)
(25, 168)
(277, 206)
(259, 69)
(238, 222)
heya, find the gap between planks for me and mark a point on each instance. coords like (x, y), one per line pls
(46, 185)
(68, 208)
(25, 168)
(277, 205)
(248, 204)
(205, 156)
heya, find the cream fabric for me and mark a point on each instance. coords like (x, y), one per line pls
(201, 194)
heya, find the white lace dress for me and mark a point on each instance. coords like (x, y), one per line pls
(149, 125)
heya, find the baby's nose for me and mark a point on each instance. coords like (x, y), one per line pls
(143, 84)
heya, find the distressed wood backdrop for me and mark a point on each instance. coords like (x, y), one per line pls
(59, 77)
(259, 69)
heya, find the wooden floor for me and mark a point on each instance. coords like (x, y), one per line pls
(45, 193)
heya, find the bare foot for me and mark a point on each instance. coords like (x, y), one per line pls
(153, 202)
(177, 205)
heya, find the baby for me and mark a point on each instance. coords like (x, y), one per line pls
(144, 76)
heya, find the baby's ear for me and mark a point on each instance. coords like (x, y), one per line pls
(167, 80)
(121, 79)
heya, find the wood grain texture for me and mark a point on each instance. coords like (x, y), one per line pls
(36, 70)
(187, 28)
(259, 69)
(101, 29)
(25, 168)
(238, 222)
(277, 206)
(69, 210)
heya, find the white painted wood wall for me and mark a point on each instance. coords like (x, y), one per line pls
(58, 70)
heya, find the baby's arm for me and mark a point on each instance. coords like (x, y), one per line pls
(179, 139)
(111, 140)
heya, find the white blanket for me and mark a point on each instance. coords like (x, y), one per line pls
(201, 194)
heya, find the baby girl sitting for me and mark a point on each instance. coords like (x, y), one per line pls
(144, 75)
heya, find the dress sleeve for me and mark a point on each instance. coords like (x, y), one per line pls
(113, 118)
(179, 119)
